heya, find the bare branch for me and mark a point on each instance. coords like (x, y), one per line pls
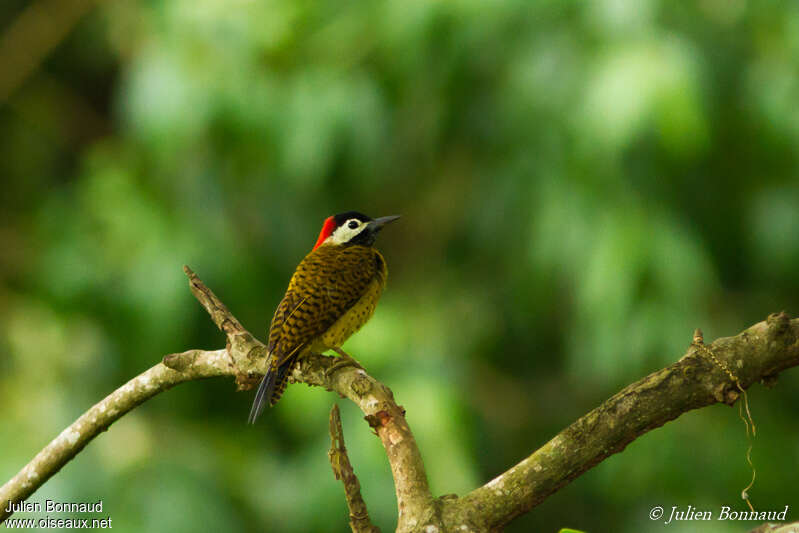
(703, 376)
(757, 354)
(414, 500)
(199, 364)
(223, 319)
(342, 469)
(376, 401)
(244, 358)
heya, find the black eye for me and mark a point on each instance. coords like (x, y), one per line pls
(353, 224)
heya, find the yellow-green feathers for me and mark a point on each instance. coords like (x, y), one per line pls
(332, 294)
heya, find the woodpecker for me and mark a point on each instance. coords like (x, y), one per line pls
(331, 295)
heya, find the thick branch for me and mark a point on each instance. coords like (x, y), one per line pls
(245, 358)
(376, 401)
(342, 469)
(696, 380)
(705, 375)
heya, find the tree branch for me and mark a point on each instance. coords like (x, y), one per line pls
(61, 450)
(703, 376)
(696, 380)
(245, 358)
(342, 469)
(376, 401)
(414, 499)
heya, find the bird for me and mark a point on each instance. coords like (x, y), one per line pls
(332, 294)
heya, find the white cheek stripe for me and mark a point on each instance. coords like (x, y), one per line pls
(344, 233)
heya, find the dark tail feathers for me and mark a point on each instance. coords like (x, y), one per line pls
(270, 389)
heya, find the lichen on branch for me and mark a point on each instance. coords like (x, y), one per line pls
(704, 375)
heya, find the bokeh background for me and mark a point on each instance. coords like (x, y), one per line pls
(581, 183)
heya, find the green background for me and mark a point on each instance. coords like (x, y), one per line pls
(582, 184)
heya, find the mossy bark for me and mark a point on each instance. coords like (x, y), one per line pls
(706, 374)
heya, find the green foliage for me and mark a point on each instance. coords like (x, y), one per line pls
(582, 185)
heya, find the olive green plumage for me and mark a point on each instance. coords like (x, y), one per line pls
(332, 294)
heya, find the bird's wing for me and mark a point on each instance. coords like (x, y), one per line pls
(327, 283)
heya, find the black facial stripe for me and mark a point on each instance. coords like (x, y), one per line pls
(364, 238)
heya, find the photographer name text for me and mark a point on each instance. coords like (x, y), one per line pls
(51, 506)
(54, 522)
(691, 513)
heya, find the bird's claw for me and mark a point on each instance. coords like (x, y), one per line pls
(344, 360)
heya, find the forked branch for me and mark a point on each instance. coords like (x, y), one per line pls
(706, 374)
(244, 358)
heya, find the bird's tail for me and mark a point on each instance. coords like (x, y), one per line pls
(271, 388)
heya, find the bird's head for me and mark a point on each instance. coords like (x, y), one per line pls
(351, 228)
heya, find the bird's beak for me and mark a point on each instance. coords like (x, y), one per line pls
(378, 223)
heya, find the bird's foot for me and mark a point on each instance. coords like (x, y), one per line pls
(344, 360)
